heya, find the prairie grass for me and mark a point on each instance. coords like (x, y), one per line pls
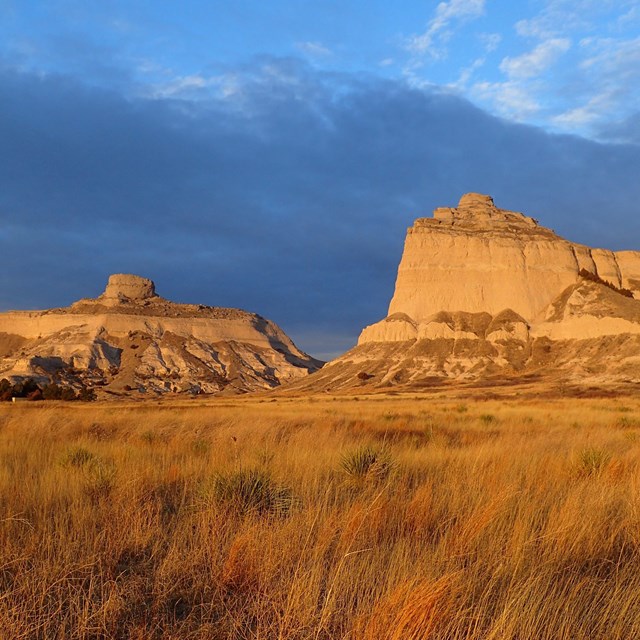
(241, 519)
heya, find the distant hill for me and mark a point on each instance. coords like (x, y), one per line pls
(130, 340)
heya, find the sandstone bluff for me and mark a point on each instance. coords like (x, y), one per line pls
(488, 294)
(131, 340)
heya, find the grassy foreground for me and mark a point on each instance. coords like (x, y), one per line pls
(379, 518)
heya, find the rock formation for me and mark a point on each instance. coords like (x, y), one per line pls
(122, 287)
(131, 340)
(478, 258)
(483, 292)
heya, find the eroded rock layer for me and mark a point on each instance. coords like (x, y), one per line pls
(483, 292)
(130, 340)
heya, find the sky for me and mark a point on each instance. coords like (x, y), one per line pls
(270, 155)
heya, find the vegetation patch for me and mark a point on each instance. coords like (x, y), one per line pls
(591, 462)
(526, 529)
(367, 462)
(77, 457)
(592, 277)
(252, 491)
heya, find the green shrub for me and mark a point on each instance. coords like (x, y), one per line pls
(54, 391)
(86, 395)
(21, 389)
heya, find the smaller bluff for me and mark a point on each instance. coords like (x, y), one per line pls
(129, 341)
(484, 293)
(121, 287)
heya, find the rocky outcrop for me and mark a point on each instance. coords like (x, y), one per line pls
(122, 287)
(484, 292)
(130, 340)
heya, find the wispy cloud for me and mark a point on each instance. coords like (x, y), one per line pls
(569, 65)
(536, 61)
(585, 115)
(630, 17)
(621, 57)
(439, 27)
(490, 41)
(600, 76)
(562, 16)
(517, 96)
(610, 77)
(181, 86)
(467, 72)
(314, 49)
(509, 99)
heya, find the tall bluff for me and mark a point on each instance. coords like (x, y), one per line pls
(129, 339)
(477, 258)
(485, 295)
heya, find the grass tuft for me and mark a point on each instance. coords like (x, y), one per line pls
(252, 491)
(100, 480)
(366, 462)
(592, 462)
(77, 457)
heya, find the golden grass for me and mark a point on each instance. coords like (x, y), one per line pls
(492, 520)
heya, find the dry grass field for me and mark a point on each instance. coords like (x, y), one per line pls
(400, 518)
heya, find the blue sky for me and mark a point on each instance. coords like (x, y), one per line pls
(570, 66)
(270, 155)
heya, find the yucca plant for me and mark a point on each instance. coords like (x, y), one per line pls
(77, 457)
(592, 462)
(100, 479)
(252, 490)
(367, 462)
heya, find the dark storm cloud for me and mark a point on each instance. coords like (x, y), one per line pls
(289, 198)
(624, 131)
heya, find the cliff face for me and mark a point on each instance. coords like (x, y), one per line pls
(478, 258)
(129, 339)
(484, 292)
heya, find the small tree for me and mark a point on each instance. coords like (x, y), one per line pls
(24, 388)
(86, 395)
(67, 393)
(51, 392)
